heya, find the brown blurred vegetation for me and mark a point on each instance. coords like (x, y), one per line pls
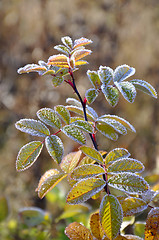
(123, 31)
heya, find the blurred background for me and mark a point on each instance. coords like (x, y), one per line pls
(123, 32)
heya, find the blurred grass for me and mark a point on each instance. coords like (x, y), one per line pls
(123, 31)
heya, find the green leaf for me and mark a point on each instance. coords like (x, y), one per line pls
(79, 111)
(85, 189)
(74, 102)
(139, 229)
(63, 113)
(107, 130)
(48, 181)
(126, 165)
(74, 133)
(116, 154)
(91, 95)
(76, 231)
(92, 153)
(119, 119)
(94, 79)
(86, 171)
(33, 216)
(111, 94)
(55, 147)
(128, 90)
(132, 205)
(32, 127)
(83, 125)
(67, 41)
(123, 72)
(4, 208)
(57, 81)
(145, 87)
(28, 154)
(74, 119)
(105, 74)
(70, 161)
(110, 216)
(62, 48)
(117, 126)
(128, 182)
(50, 117)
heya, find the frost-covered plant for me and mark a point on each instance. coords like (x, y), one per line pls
(90, 172)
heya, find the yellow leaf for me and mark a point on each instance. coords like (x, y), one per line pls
(76, 231)
(152, 225)
(95, 226)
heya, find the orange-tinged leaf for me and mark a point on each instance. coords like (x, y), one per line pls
(70, 161)
(85, 189)
(95, 226)
(110, 216)
(152, 225)
(81, 42)
(76, 231)
(80, 62)
(48, 181)
(58, 58)
(78, 54)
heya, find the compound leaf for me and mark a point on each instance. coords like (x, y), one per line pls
(94, 79)
(48, 181)
(127, 89)
(83, 125)
(50, 117)
(105, 74)
(152, 225)
(123, 72)
(32, 127)
(111, 94)
(128, 182)
(145, 87)
(28, 154)
(132, 205)
(92, 153)
(116, 154)
(63, 113)
(85, 189)
(110, 216)
(87, 171)
(55, 147)
(70, 161)
(76, 231)
(74, 133)
(126, 165)
(91, 95)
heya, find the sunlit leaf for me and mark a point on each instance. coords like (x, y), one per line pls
(92, 153)
(74, 133)
(132, 205)
(105, 75)
(76, 231)
(32, 68)
(33, 216)
(80, 62)
(83, 125)
(80, 53)
(152, 225)
(62, 49)
(4, 208)
(74, 119)
(67, 41)
(128, 182)
(50, 117)
(126, 165)
(85, 189)
(79, 111)
(48, 181)
(59, 58)
(70, 161)
(111, 94)
(74, 102)
(119, 119)
(87, 171)
(116, 154)
(28, 154)
(94, 79)
(123, 72)
(63, 113)
(107, 130)
(55, 147)
(91, 95)
(117, 126)
(110, 216)
(86, 160)
(32, 127)
(127, 89)
(81, 42)
(145, 87)
(95, 226)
